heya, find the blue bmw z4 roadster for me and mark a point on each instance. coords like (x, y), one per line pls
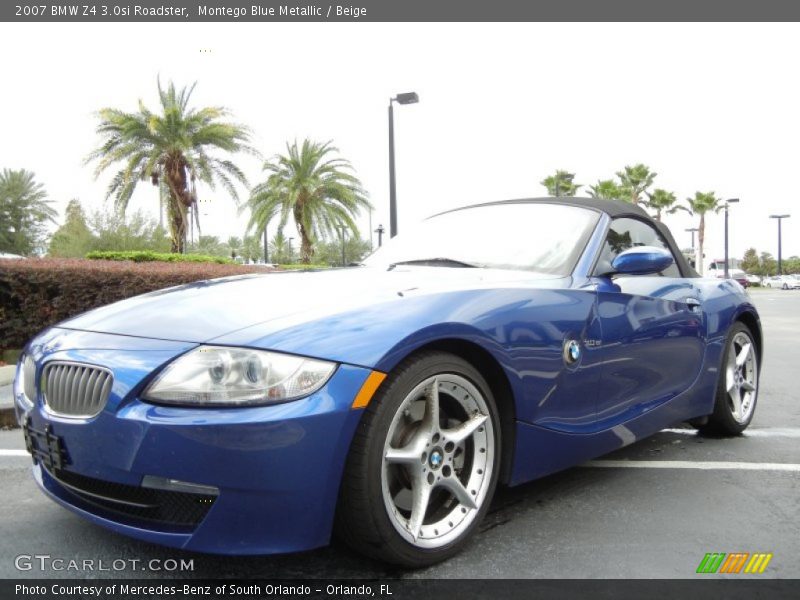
(385, 402)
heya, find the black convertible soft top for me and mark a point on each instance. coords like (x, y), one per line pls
(614, 209)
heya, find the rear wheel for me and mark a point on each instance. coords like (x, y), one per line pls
(423, 465)
(785, 286)
(737, 390)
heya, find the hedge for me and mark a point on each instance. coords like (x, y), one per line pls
(302, 267)
(149, 256)
(37, 293)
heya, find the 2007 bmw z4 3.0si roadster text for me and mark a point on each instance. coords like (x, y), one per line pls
(385, 402)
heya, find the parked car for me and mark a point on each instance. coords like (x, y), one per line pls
(739, 277)
(784, 282)
(258, 414)
(9, 256)
(753, 279)
(716, 268)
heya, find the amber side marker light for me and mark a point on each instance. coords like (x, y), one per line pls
(368, 389)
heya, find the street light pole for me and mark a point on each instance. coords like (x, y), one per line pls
(406, 98)
(371, 248)
(342, 233)
(380, 230)
(392, 182)
(727, 202)
(780, 218)
(266, 246)
(692, 230)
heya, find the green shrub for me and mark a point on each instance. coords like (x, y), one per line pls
(38, 293)
(301, 267)
(150, 256)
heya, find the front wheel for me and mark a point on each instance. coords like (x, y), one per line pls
(423, 465)
(737, 390)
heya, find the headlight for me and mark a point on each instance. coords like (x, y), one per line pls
(215, 375)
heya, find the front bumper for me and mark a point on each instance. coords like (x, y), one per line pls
(277, 468)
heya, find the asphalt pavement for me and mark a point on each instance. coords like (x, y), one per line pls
(651, 510)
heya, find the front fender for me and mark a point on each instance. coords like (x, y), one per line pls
(724, 302)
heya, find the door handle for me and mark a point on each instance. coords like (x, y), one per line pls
(693, 304)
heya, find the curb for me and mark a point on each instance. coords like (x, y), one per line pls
(7, 374)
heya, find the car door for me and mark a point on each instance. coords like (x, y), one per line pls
(651, 342)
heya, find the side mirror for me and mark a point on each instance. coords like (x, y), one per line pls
(642, 260)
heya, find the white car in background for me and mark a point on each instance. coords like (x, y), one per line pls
(783, 282)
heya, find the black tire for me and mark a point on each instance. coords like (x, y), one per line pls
(362, 519)
(785, 286)
(723, 420)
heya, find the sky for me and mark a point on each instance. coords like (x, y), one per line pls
(710, 107)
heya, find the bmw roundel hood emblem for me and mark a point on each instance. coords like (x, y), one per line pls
(572, 351)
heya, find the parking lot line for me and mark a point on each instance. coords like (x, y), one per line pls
(4, 452)
(787, 432)
(687, 464)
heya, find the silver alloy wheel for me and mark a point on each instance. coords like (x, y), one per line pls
(437, 461)
(741, 377)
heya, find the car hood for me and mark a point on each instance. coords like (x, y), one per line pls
(205, 310)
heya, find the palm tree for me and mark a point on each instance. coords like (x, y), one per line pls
(319, 192)
(561, 184)
(234, 245)
(209, 245)
(174, 149)
(24, 210)
(252, 250)
(663, 201)
(607, 189)
(634, 181)
(701, 204)
(279, 248)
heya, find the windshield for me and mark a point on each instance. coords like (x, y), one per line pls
(547, 238)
